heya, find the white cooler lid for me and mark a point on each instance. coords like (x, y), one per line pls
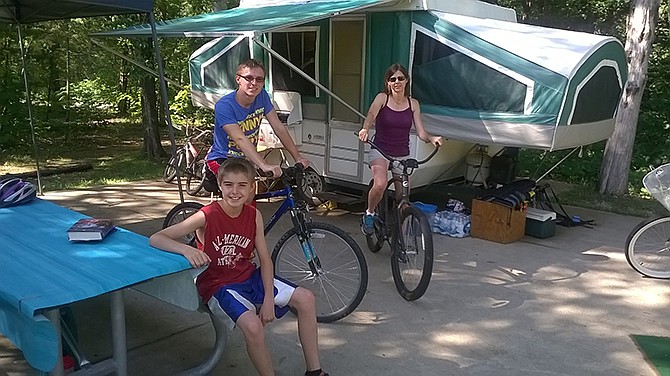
(539, 214)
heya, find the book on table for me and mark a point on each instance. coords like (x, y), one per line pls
(87, 229)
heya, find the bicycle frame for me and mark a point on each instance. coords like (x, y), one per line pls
(408, 167)
(298, 211)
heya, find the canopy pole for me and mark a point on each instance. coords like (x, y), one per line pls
(134, 62)
(164, 99)
(557, 163)
(30, 111)
(306, 76)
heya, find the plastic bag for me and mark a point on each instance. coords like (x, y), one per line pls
(455, 225)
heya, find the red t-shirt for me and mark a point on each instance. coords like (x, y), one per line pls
(229, 243)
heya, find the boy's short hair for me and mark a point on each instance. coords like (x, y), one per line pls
(236, 165)
(251, 63)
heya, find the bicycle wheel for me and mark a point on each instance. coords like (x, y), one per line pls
(170, 171)
(342, 276)
(648, 248)
(375, 241)
(196, 178)
(179, 213)
(412, 258)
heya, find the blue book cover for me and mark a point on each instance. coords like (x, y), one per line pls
(87, 229)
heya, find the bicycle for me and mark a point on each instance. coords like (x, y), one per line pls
(190, 159)
(315, 255)
(648, 244)
(407, 231)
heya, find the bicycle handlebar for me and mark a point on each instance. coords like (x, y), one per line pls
(403, 162)
(290, 171)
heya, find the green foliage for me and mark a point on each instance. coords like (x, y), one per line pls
(183, 111)
(95, 97)
(581, 167)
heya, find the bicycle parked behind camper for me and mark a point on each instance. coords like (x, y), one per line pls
(190, 159)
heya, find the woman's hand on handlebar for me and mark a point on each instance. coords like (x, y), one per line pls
(363, 134)
(435, 140)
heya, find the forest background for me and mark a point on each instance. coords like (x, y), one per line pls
(87, 100)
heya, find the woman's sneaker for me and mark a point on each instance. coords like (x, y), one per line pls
(368, 224)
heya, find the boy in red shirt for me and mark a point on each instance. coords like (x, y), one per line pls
(228, 231)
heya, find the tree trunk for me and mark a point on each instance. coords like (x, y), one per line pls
(614, 170)
(152, 140)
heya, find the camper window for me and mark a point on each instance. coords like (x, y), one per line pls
(445, 76)
(219, 71)
(300, 48)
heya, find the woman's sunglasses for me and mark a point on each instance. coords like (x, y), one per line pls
(399, 78)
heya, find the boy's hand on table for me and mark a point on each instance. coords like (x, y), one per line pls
(196, 257)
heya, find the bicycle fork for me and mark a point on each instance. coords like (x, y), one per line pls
(304, 237)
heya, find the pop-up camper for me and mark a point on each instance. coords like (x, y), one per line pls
(481, 78)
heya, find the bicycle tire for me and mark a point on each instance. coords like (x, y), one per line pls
(375, 241)
(179, 213)
(342, 280)
(648, 248)
(412, 267)
(196, 178)
(170, 172)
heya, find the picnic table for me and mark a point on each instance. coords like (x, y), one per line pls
(41, 271)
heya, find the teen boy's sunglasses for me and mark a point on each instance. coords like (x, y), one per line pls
(399, 78)
(250, 79)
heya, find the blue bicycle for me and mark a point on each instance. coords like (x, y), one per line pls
(315, 255)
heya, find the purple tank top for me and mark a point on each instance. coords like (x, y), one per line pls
(392, 130)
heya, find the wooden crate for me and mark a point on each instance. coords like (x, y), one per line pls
(496, 222)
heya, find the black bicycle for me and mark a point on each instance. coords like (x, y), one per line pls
(315, 255)
(190, 160)
(406, 229)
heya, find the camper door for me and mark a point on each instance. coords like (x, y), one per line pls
(344, 151)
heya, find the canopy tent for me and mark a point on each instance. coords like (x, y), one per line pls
(248, 20)
(22, 12)
(29, 11)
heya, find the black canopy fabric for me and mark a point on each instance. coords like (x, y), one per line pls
(29, 11)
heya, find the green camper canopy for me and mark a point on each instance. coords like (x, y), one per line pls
(498, 82)
(479, 80)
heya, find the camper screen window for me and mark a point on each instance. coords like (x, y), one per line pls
(300, 49)
(219, 73)
(446, 77)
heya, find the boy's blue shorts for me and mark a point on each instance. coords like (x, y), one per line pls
(233, 300)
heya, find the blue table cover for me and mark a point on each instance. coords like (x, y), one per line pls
(41, 269)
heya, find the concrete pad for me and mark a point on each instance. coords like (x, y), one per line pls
(566, 305)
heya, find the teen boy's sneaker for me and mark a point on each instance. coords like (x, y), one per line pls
(368, 224)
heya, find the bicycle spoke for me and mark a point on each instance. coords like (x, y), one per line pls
(339, 284)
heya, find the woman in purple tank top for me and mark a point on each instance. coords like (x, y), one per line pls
(392, 113)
